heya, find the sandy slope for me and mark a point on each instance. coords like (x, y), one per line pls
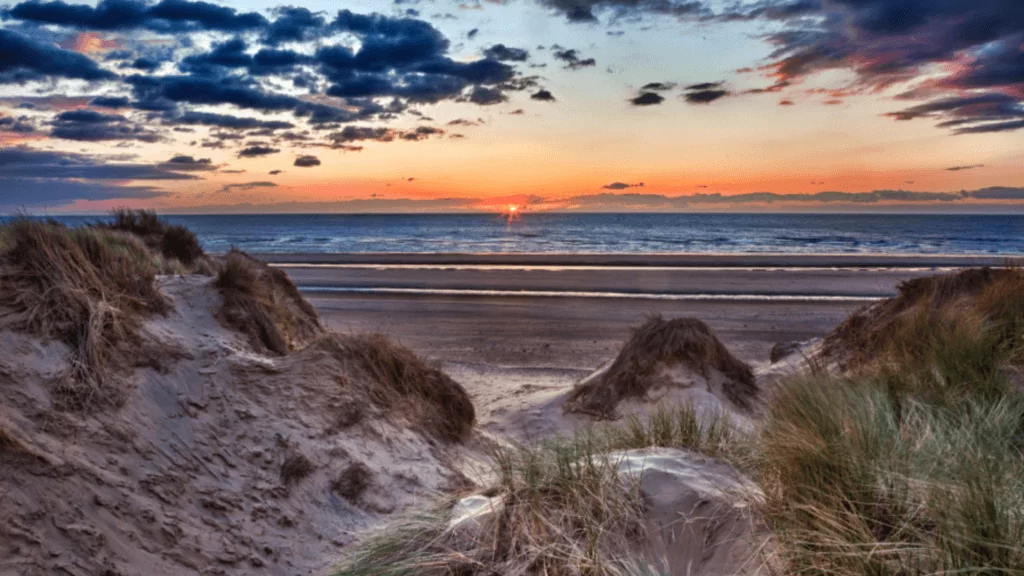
(186, 478)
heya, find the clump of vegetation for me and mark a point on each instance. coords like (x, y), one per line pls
(89, 288)
(172, 241)
(654, 345)
(263, 303)
(353, 481)
(913, 464)
(295, 467)
(565, 507)
(405, 383)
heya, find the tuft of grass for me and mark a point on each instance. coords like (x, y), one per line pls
(89, 288)
(566, 508)
(402, 381)
(353, 481)
(263, 303)
(172, 241)
(295, 467)
(655, 343)
(863, 476)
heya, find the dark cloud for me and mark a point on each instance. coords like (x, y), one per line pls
(785, 102)
(572, 59)
(227, 121)
(543, 96)
(188, 164)
(422, 133)
(275, 172)
(294, 24)
(486, 96)
(889, 42)
(165, 92)
(357, 133)
(246, 186)
(704, 86)
(110, 102)
(622, 186)
(145, 64)
(588, 10)
(472, 33)
(505, 53)
(307, 161)
(257, 150)
(19, 125)
(164, 16)
(704, 92)
(704, 96)
(983, 113)
(23, 59)
(91, 126)
(465, 122)
(380, 134)
(959, 168)
(32, 177)
(404, 58)
(647, 99)
(658, 86)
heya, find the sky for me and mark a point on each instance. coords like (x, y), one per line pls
(455, 105)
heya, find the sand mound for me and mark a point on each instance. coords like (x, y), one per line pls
(221, 460)
(680, 352)
(263, 303)
(983, 294)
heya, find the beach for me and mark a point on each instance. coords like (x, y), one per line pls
(573, 311)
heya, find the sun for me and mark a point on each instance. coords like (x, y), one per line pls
(511, 212)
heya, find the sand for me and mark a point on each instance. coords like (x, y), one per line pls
(187, 477)
(519, 354)
(223, 460)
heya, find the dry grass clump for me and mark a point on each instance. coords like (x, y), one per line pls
(565, 508)
(656, 344)
(172, 241)
(87, 287)
(263, 303)
(295, 467)
(353, 481)
(404, 383)
(985, 297)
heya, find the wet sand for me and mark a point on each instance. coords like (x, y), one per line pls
(572, 312)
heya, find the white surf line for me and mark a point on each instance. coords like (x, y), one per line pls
(612, 267)
(579, 294)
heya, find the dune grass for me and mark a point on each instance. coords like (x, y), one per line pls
(652, 345)
(171, 241)
(404, 383)
(263, 303)
(566, 509)
(86, 287)
(913, 464)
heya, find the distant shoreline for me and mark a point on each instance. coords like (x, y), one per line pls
(679, 260)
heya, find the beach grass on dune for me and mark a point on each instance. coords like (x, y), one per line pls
(912, 465)
(566, 509)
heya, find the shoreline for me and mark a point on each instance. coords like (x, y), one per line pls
(638, 260)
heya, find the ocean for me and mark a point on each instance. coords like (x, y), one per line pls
(611, 233)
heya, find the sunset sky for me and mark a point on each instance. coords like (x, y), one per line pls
(454, 105)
